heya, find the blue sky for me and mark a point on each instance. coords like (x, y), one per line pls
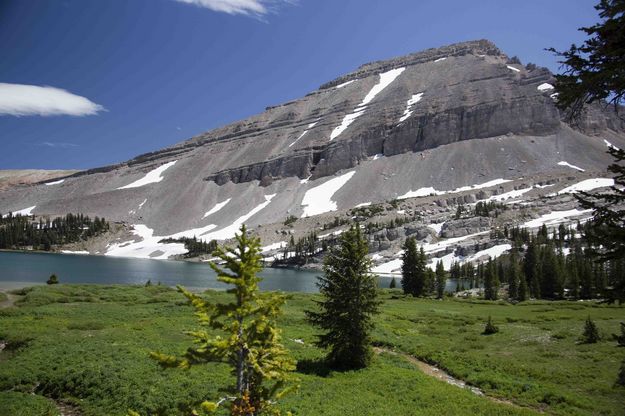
(145, 74)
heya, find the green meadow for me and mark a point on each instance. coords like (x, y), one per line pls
(87, 346)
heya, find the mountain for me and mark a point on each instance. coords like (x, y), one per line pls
(434, 129)
(11, 178)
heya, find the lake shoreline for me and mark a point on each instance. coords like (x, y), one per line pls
(27, 268)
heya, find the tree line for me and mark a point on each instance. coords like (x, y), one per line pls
(18, 232)
(547, 266)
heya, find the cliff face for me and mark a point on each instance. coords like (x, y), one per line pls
(443, 118)
(465, 91)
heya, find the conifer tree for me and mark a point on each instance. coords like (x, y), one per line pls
(422, 274)
(491, 282)
(514, 273)
(531, 269)
(349, 302)
(594, 71)
(620, 339)
(251, 345)
(551, 282)
(573, 276)
(523, 294)
(441, 279)
(591, 332)
(430, 281)
(393, 284)
(490, 327)
(410, 260)
(620, 380)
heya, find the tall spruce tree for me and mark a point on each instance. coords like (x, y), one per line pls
(410, 260)
(531, 269)
(349, 302)
(523, 294)
(422, 273)
(441, 279)
(551, 271)
(251, 345)
(514, 273)
(491, 281)
(595, 71)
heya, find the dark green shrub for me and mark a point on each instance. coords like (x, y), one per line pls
(53, 280)
(591, 332)
(620, 339)
(490, 328)
(620, 381)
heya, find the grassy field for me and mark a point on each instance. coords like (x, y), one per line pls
(88, 346)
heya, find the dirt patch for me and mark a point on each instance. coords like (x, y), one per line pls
(440, 374)
(67, 409)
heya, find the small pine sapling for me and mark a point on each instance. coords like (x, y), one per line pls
(490, 327)
(620, 339)
(620, 380)
(591, 332)
(252, 346)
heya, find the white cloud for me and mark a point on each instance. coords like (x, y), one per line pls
(32, 100)
(57, 144)
(246, 7)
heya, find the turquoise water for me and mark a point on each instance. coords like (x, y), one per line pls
(23, 269)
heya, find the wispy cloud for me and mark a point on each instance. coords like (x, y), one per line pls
(63, 145)
(257, 8)
(32, 100)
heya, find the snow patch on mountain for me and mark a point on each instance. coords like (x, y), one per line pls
(229, 231)
(55, 182)
(555, 217)
(451, 258)
(437, 227)
(310, 126)
(386, 78)
(412, 101)
(216, 208)
(274, 246)
(431, 191)
(545, 86)
(347, 120)
(344, 84)
(567, 164)
(388, 267)
(508, 195)
(586, 185)
(149, 247)
(23, 211)
(153, 176)
(319, 199)
(607, 143)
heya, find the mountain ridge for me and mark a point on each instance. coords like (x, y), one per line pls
(445, 118)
